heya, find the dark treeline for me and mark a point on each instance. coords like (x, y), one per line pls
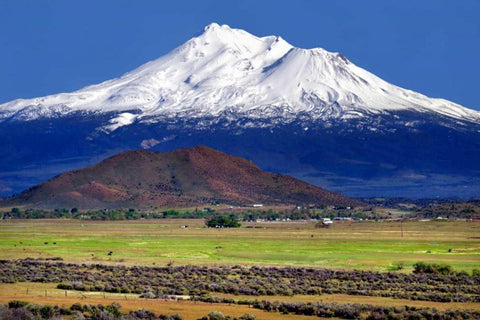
(430, 208)
(297, 213)
(154, 282)
(426, 209)
(420, 203)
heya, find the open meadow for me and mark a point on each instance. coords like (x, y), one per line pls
(379, 246)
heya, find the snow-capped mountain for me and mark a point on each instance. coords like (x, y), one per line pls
(229, 70)
(307, 112)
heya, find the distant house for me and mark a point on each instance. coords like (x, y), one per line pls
(257, 205)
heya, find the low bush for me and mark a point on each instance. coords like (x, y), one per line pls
(433, 268)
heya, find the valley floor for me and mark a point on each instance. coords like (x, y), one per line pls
(380, 246)
(155, 245)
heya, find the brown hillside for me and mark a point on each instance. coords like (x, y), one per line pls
(185, 177)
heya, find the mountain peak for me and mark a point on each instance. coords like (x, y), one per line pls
(222, 36)
(212, 27)
(216, 30)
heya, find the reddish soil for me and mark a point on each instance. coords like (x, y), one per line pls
(185, 177)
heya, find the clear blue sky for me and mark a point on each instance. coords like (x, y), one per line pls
(51, 46)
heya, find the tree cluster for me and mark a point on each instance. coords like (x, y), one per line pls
(222, 221)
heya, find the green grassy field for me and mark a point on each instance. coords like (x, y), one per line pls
(367, 245)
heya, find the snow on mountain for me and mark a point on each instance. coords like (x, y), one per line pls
(229, 70)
